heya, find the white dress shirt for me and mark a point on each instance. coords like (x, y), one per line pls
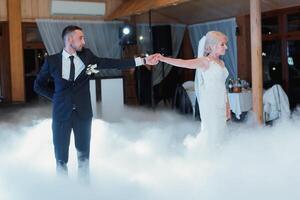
(139, 61)
(66, 63)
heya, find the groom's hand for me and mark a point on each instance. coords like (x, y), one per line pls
(152, 59)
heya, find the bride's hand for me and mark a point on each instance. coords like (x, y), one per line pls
(161, 57)
(152, 59)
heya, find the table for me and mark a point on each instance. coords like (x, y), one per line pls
(240, 102)
(112, 99)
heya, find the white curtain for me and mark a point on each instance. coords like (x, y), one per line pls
(228, 27)
(145, 46)
(101, 37)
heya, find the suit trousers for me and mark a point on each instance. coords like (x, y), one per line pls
(61, 140)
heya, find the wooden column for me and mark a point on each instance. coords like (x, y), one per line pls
(256, 59)
(16, 50)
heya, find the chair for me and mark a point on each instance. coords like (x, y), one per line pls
(189, 86)
(182, 101)
(275, 104)
(190, 90)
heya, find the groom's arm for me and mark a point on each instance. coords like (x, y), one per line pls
(109, 63)
(42, 80)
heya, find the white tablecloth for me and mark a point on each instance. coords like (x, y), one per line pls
(240, 102)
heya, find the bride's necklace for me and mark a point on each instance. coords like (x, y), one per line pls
(218, 61)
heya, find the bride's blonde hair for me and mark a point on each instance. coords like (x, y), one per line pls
(212, 38)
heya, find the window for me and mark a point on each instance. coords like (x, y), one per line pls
(32, 35)
(293, 56)
(293, 21)
(272, 65)
(270, 25)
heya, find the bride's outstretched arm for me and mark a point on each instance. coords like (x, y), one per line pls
(201, 62)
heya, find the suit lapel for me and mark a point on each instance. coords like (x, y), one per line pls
(82, 56)
(59, 64)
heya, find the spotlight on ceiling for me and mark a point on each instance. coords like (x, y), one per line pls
(127, 35)
(126, 30)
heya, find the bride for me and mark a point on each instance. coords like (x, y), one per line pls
(210, 89)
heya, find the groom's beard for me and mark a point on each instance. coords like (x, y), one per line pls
(77, 48)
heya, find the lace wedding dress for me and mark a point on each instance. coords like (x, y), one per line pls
(212, 98)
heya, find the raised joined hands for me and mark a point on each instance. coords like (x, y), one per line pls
(152, 59)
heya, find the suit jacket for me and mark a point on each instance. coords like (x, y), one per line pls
(67, 95)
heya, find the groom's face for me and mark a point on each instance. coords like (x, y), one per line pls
(77, 40)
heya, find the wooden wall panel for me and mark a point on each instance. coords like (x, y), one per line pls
(4, 63)
(32, 9)
(3, 10)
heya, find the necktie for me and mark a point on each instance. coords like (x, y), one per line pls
(72, 69)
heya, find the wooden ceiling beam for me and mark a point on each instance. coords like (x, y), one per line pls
(135, 7)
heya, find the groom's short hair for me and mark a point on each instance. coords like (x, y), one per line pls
(69, 29)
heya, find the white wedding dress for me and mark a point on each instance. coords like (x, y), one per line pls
(212, 98)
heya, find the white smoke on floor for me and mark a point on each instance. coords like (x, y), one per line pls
(143, 157)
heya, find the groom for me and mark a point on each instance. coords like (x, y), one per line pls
(71, 94)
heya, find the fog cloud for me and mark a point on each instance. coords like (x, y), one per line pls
(144, 156)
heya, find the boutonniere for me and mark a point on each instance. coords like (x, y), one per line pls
(91, 69)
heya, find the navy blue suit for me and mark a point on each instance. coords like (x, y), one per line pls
(72, 102)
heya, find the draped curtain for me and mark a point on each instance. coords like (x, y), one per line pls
(145, 46)
(228, 27)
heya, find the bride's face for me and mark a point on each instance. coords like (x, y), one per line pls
(220, 47)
